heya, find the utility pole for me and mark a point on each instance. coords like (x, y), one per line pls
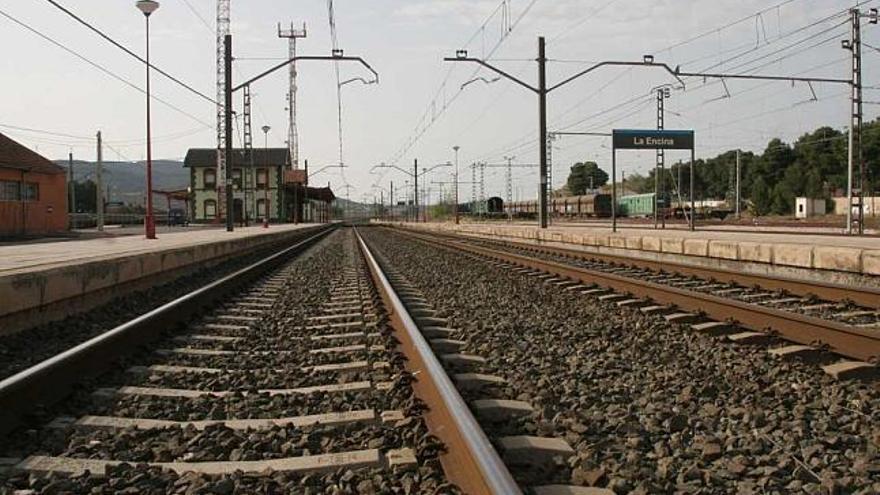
(473, 188)
(550, 139)
(227, 73)
(223, 134)
(853, 188)
(662, 94)
(483, 208)
(292, 135)
(393, 203)
(416, 189)
(72, 181)
(542, 131)
(99, 186)
(455, 207)
(738, 171)
(509, 186)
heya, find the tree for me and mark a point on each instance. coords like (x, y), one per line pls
(584, 176)
(86, 196)
(783, 199)
(760, 195)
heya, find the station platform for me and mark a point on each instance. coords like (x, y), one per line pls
(821, 257)
(39, 281)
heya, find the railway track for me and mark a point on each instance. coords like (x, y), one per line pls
(643, 406)
(292, 382)
(743, 307)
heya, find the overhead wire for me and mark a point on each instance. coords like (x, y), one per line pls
(431, 111)
(129, 52)
(100, 67)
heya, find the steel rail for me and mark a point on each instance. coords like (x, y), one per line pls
(54, 379)
(839, 338)
(863, 296)
(471, 461)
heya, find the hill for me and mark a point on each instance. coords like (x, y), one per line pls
(126, 180)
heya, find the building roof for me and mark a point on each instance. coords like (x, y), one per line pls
(17, 156)
(207, 157)
(320, 193)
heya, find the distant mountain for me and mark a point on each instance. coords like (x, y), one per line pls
(127, 180)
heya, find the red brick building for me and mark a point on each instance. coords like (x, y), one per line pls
(33, 192)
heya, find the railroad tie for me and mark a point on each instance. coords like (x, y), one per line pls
(357, 459)
(851, 370)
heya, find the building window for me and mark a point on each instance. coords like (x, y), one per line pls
(31, 191)
(210, 178)
(10, 190)
(262, 178)
(261, 207)
(210, 208)
(236, 177)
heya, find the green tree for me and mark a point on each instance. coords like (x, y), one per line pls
(760, 196)
(585, 175)
(783, 199)
(86, 196)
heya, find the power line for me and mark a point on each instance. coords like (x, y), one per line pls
(431, 111)
(126, 50)
(100, 67)
(48, 133)
(196, 13)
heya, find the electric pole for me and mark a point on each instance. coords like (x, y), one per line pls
(72, 181)
(509, 185)
(99, 187)
(227, 181)
(853, 187)
(456, 148)
(482, 188)
(662, 94)
(738, 172)
(473, 188)
(542, 131)
(224, 135)
(292, 35)
(416, 188)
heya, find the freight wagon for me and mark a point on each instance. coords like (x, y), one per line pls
(588, 205)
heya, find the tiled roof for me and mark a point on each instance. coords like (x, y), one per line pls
(17, 156)
(207, 157)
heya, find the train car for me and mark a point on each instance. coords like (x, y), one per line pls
(495, 205)
(636, 205)
(587, 205)
(596, 205)
(709, 208)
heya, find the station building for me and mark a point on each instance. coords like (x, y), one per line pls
(262, 182)
(33, 192)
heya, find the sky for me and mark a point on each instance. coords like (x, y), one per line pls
(55, 102)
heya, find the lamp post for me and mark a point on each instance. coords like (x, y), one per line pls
(455, 207)
(148, 7)
(266, 189)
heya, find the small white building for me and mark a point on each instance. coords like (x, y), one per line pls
(808, 207)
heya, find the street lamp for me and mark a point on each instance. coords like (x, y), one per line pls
(266, 188)
(148, 7)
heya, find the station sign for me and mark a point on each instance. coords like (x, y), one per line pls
(644, 139)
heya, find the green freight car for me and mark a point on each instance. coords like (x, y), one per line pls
(636, 205)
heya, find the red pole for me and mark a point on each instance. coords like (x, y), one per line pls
(149, 224)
